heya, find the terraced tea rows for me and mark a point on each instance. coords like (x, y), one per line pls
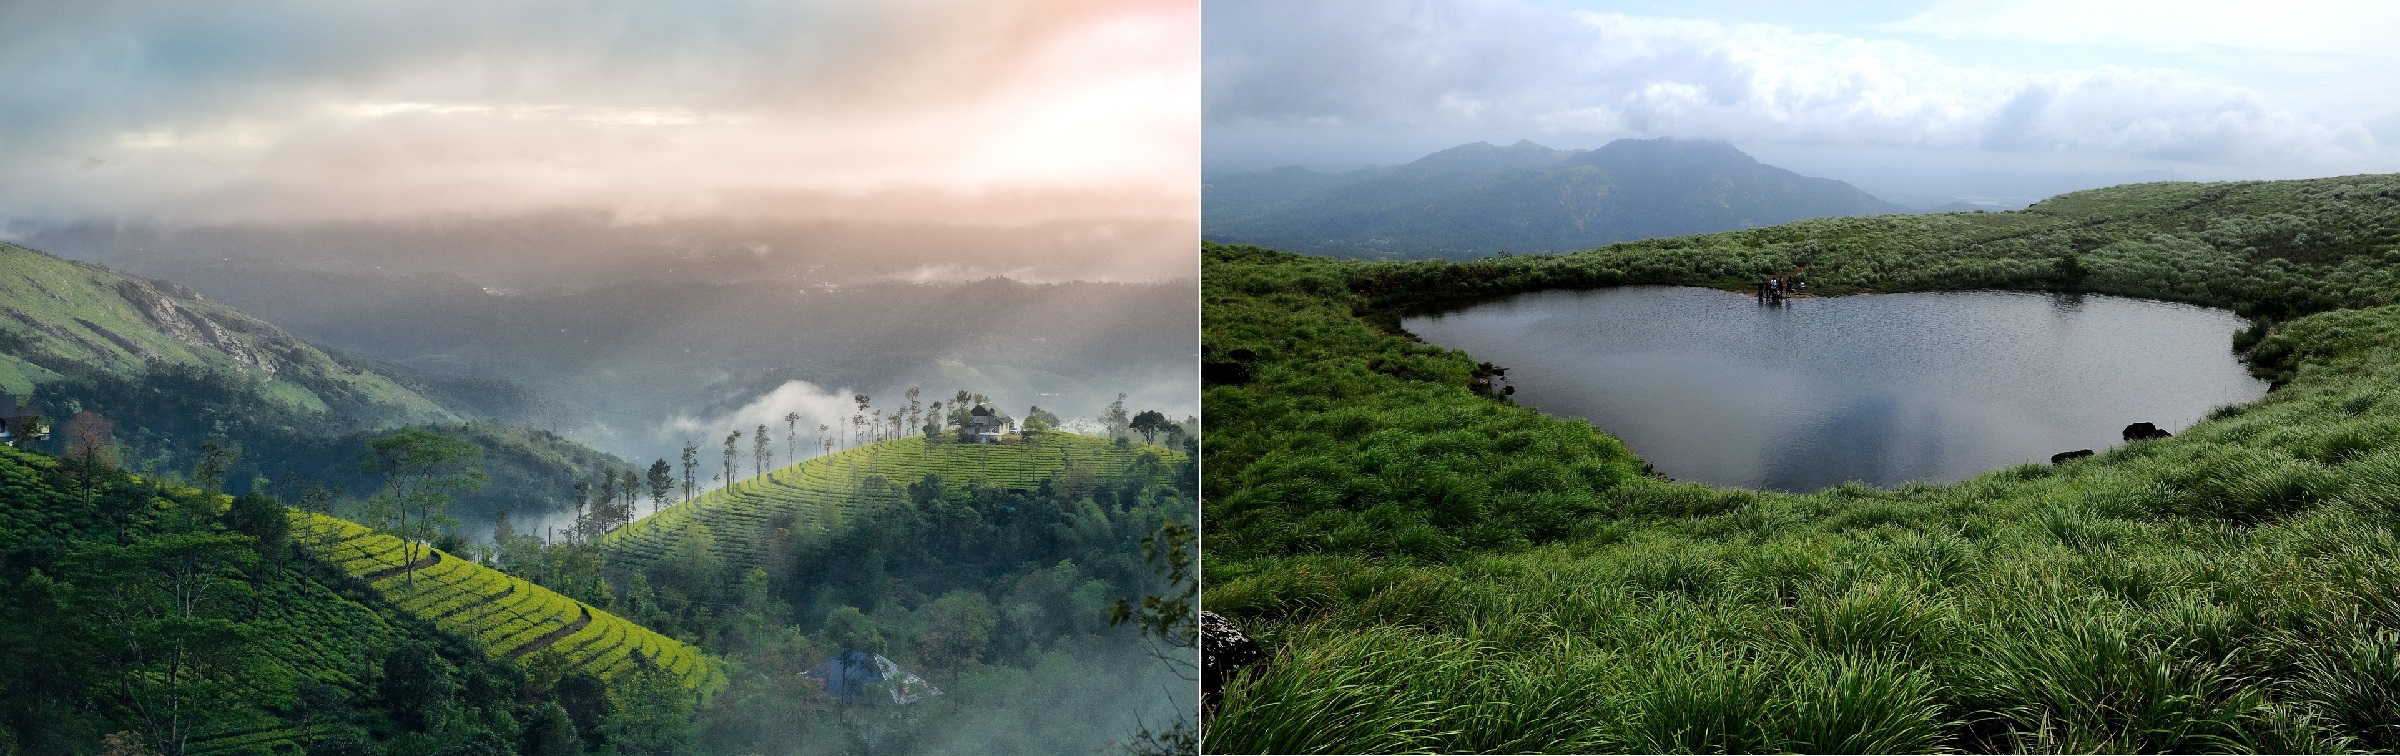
(822, 491)
(509, 616)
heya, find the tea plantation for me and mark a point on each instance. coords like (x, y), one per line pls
(819, 493)
(507, 616)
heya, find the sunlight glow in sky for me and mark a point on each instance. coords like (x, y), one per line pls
(294, 111)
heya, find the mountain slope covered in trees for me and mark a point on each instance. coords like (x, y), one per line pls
(1431, 568)
(1478, 199)
(990, 570)
(66, 319)
(174, 376)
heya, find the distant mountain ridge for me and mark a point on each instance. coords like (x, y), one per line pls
(59, 317)
(1479, 199)
(173, 370)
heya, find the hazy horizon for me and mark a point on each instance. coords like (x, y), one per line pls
(1916, 102)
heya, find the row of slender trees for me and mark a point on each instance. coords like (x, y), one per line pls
(614, 498)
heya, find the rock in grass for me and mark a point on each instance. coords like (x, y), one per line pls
(1224, 650)
(2143, 431)
(2066, 457)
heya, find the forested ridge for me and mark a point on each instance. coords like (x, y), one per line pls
(1431, 568)
(991, 570)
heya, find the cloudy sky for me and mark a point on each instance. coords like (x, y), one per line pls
(1925, 100)
(269, 112)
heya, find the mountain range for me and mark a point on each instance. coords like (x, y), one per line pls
(172, 370)
(1479, 199)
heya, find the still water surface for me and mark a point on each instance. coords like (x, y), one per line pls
(1884, 388)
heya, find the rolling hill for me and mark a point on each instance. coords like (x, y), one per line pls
(172, 369)
(66, 319)
(823, 492)
(1479, 199)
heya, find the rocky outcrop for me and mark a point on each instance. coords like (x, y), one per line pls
(2144, 432)
(2066, 457)
(161, 313)
(1224, 651)
(184, 326)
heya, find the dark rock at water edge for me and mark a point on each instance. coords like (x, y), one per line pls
(1224, 651)
(2144, 431)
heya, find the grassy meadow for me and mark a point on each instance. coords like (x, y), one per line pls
(1432, 568)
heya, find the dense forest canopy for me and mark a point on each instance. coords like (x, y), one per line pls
(1433, 568)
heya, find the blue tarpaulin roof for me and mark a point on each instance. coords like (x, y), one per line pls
(858, 676)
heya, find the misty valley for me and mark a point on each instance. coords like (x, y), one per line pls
(1734, 390)
(453, 533)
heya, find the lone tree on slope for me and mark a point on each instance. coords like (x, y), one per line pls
(691, 465)
(421, 469)
(791, 436)
(1150, 423)
(761, 455)
(733, 451)
(662, 481)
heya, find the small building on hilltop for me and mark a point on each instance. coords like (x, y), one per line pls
(856, 676)
(983, 426)
(21, 421)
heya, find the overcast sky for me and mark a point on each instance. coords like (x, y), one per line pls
(1993, 98)
(894, 111)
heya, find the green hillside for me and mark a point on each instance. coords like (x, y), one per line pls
(63, 318)
(507, 616)
(173, 371)
(1432, 568)
(153, 610)
(819, 493)
(996, 586)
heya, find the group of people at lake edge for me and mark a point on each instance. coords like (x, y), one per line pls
(1775, 289)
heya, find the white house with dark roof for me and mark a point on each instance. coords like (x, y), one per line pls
(983, 426)
(21, 420)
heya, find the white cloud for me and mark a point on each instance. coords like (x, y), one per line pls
(816, 406)
(2310, 27)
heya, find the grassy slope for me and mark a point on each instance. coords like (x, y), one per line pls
(821, 491)
(1437, 570)
(502, 613)
(60, 315)
(305, 421)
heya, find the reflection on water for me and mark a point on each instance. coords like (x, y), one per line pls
(1883, 389)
